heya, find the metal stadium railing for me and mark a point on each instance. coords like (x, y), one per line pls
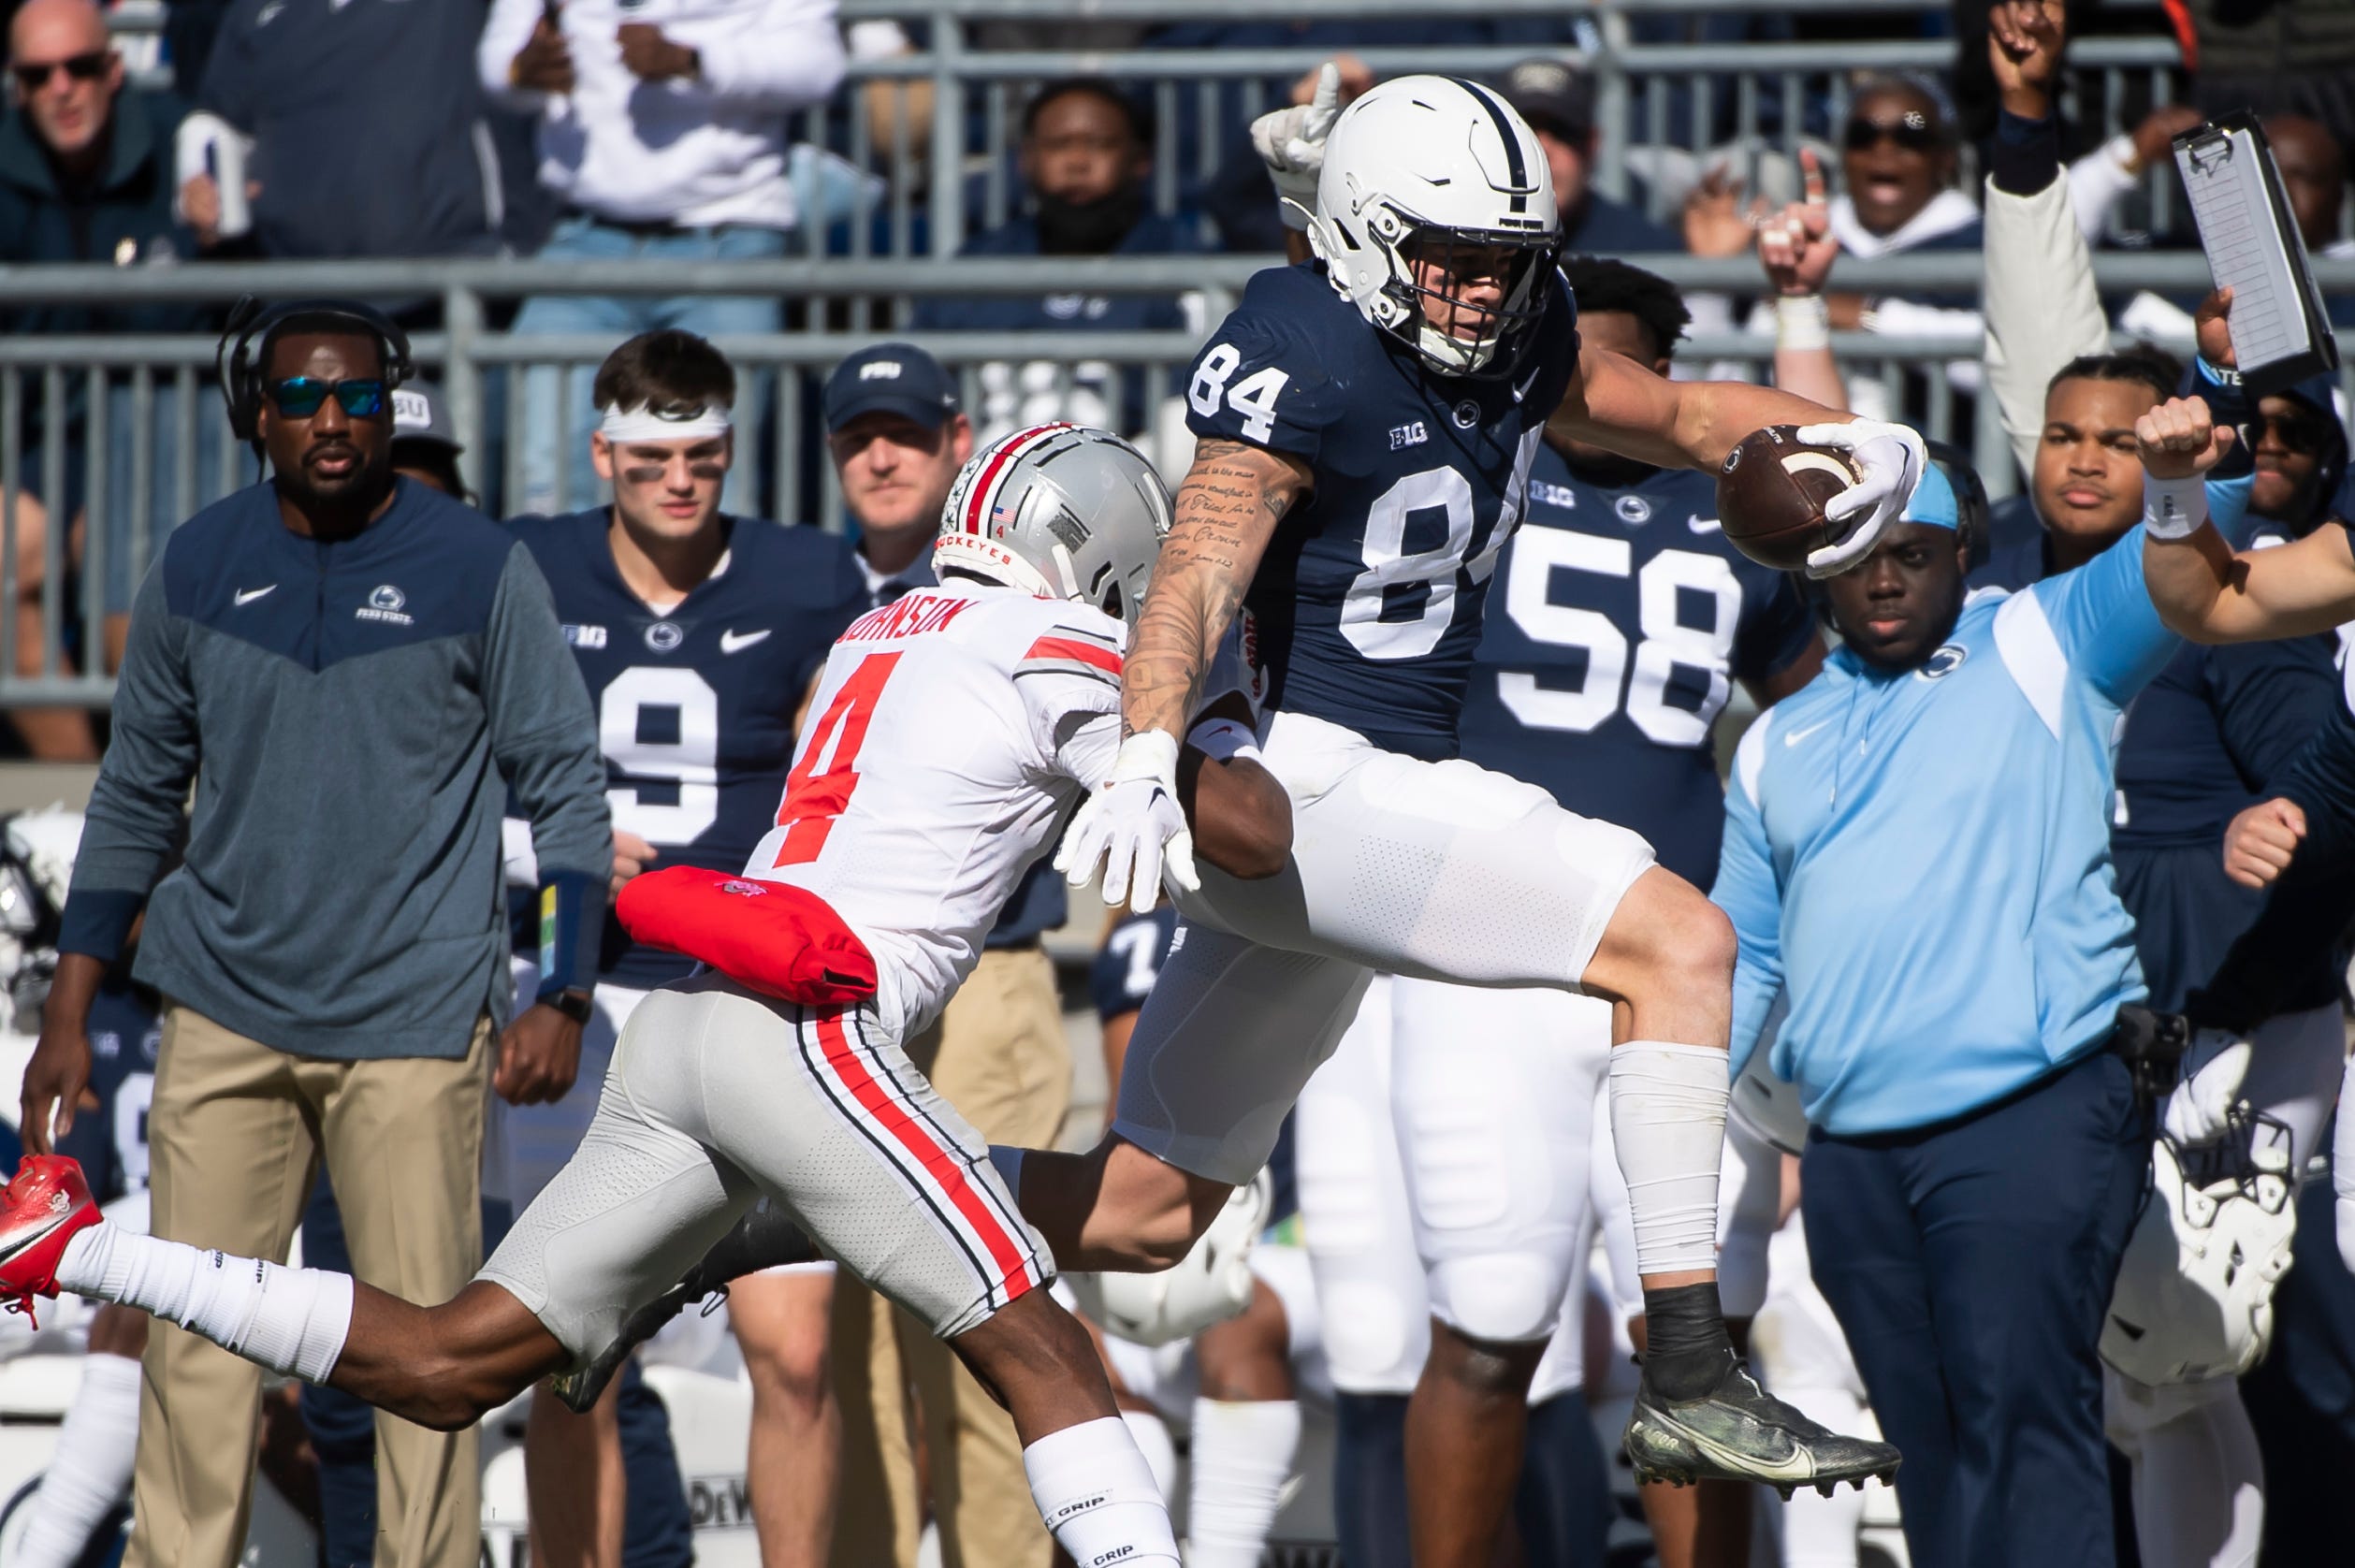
(1658, 104)
(146, 442)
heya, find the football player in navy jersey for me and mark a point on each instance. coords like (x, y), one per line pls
(1624, 618)
(698, 634)
(1366, 426)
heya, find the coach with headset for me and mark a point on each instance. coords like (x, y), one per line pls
(353, 671)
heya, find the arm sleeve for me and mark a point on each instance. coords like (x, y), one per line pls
(2102, 616)
(2041, 305)
(2321, 779)
(2271, 698)
(784, 54)
(2097, 182)
(134, 814)
(544, 736)
(1747, 890)
(505, 32)
(1260, 383)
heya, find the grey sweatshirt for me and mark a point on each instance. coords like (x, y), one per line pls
(354, 714)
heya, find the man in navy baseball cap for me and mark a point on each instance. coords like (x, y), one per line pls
(891, 378)
(897, 432)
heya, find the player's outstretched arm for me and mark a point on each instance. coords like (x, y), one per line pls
(1242, 818)
(1227, 511)
(1615, 403)
(2211, 594)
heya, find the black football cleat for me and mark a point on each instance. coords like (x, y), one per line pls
(763, 1238)
(1737, 1431)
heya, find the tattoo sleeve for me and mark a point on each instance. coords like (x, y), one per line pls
(1227, 511)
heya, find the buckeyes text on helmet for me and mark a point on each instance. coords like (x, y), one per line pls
(1436, 218)
(1061, 511)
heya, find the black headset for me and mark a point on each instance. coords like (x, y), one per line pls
(243, 355)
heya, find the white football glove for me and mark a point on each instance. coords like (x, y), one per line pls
(2201, 1109)
(1291, 142)
(1892, 457)
(1134, 828)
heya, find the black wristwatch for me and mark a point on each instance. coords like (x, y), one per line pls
(572, 1001)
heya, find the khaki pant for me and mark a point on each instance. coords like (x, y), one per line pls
(235, 1132)
(999, 1057)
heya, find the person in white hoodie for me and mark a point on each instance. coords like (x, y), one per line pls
(662, 128)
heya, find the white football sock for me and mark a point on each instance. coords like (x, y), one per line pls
(1243, 1455)
(1669, 1122)
(1160, 1451)
(90, 1471)
(1097, 1494)
(292, 1321)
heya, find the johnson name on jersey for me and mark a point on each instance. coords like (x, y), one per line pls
(951, 734)
(1366, 607)
(1621, 620)
(696, 707)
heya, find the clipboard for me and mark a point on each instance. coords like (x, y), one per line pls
(2281, 333)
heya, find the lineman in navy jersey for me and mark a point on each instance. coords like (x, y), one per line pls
(697, 634)
(1366, 426)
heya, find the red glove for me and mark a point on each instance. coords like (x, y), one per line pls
(776, 939)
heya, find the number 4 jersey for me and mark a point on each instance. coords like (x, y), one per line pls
(1366, 607)
(695, 706)
(952, 733)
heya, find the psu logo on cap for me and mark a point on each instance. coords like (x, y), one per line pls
(880, 370)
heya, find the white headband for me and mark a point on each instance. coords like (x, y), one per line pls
(621, 424)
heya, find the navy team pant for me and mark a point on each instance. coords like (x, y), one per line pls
(1969, 1264)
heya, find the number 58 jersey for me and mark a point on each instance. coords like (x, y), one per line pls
(1366, 607)
(952, 733)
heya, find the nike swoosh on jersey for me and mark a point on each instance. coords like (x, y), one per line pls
(736, 642)
(1797, 735)
(1703, 525)
(247, 596)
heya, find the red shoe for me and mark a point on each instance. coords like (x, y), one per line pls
(39, 1213)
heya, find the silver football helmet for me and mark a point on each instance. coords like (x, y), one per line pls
(1060, 511)
(1431, 169)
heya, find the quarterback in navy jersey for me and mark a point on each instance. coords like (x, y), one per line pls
(696, 701)
(1365, 427)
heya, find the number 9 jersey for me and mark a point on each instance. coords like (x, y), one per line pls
(1365, 611)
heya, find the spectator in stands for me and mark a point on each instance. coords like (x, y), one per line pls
(297, 82)
(999, 1055)
(85, 175)
(665, 142)
(330, 945)
(1087, 150)
(1557, 98)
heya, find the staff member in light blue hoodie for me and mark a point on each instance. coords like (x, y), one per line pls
(1917, 851)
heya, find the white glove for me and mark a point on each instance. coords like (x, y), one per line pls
(1291, 142)
(1892, 457)
(1134, 828)
(2201, 1109)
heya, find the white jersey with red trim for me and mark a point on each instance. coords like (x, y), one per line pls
(953, 732)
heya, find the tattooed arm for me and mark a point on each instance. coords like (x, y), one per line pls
(1227, 511)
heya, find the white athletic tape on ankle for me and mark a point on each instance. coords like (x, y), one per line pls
(1668, 1120)
(1097, 1496)
(1242, 1455)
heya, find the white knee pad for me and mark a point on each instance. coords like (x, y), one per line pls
(1506, 1296)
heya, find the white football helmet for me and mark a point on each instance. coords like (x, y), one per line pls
(2194, 1298)
(1210, 1284)
(1769, 1106)
(1060, 511)
(1432, 169)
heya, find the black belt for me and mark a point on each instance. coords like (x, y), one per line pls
(638, 228)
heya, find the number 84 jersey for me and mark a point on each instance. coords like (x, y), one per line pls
(1366, 607)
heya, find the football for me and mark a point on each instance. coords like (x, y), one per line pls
(1771, 492)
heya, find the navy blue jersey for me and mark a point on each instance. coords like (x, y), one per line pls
(2214, 733)
(1622, 619)
(695, 709)
(1366, 607)
(1130, 962)
(126, 1033)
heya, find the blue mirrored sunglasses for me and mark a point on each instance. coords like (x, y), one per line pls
(299, 397)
